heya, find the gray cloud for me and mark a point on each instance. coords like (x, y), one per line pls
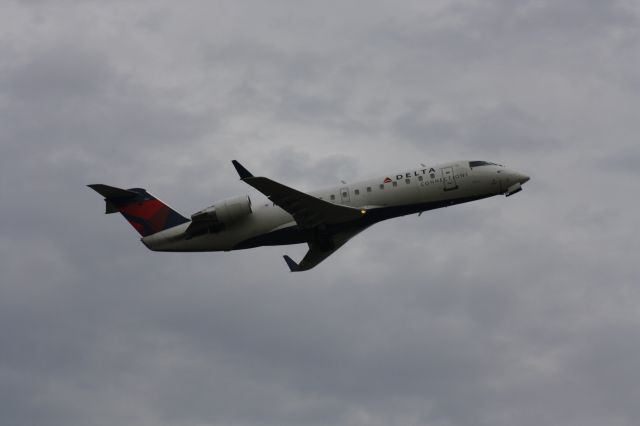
(499, 312)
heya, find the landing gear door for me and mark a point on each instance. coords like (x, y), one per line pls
(448, 179)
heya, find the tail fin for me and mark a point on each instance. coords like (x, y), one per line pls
(144, 212)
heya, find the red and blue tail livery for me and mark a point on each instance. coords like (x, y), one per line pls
(143, 211)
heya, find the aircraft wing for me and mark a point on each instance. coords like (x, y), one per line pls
(307, 210)
(317, 253)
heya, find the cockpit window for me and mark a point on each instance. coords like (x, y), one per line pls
(473, 164)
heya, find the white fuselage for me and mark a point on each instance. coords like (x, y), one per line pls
(390, 195)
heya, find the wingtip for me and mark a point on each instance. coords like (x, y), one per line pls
(293, 266)
(242, 171)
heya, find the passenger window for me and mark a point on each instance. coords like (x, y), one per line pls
(382, 186)
(368, 189)
(344, 195)
(333, 197)
(420, 178)
(395, 184)
(407, 181)
(357, 192)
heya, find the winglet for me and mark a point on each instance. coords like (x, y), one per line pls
(244, 173)
(293, 266)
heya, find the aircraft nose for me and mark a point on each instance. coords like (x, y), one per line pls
(522, 178)
(512, 176)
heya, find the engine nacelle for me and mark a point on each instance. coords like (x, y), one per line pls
(225, 211)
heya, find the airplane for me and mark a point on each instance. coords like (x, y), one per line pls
(324, 219)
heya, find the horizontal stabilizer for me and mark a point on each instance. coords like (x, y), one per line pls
(113, 195)
(111, 192)
(142, 210)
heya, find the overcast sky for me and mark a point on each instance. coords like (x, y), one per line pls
(506, 311)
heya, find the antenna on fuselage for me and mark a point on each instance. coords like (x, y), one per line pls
(343, 182)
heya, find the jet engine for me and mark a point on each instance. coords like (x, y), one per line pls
(223, 212)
